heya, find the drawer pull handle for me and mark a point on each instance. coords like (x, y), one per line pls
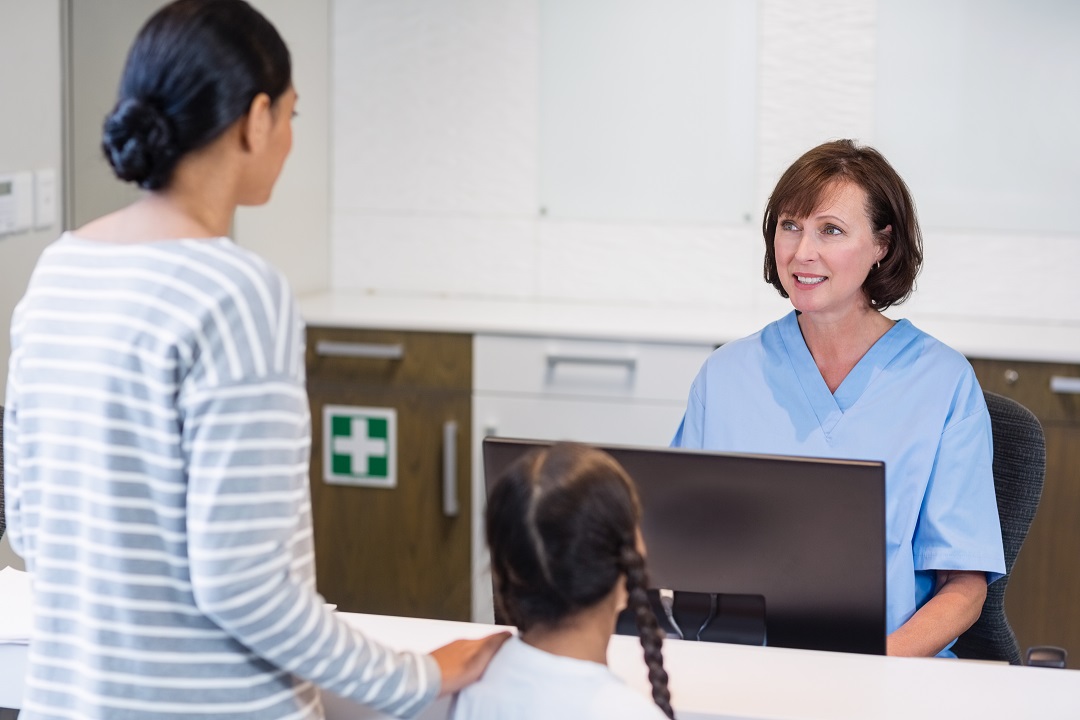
(557, 359)
(1011, 376)
(371, 351)
(1065, 385)
(449, 484)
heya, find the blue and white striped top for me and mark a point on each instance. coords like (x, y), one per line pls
(157, 436)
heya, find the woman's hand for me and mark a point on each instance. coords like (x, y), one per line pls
(462, 662)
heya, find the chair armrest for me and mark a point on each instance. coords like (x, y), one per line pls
(1047, 656)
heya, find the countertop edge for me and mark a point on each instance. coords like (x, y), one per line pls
(984, 338)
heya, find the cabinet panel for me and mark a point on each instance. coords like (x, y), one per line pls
(401, 550)
(394, 551)
(1044, 590)
(389, 358)
(1032, 385)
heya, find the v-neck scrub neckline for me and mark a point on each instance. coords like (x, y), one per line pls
(830, 406)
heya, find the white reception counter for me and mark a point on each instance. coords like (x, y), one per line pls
(711, 680)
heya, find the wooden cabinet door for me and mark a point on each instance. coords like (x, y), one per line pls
(395, 551)
(1043, 596)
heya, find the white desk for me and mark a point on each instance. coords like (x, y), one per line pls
(714, 681)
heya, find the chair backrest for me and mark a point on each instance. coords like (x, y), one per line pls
(1019, 470)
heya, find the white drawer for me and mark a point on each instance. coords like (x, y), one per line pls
(602, 422)
(592, 368)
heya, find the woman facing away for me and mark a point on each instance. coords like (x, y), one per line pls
(157, 430)
(562, 525)
(837, 378)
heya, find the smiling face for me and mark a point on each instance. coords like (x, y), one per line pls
(822, 260)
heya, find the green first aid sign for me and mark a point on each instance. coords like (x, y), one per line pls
(360, 446)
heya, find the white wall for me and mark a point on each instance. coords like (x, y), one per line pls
(292, 231)
(97, 39)
(437, 140)
(29, 133)
(436, 151)
(29, 140)
(433, 188)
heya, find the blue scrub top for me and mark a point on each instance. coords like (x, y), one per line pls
(911, 402)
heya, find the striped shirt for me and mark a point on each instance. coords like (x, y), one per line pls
(157, 436)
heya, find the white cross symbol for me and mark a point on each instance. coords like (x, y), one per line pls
(359, 446)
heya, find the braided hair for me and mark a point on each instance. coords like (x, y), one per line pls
(562, 526)
(633, 564)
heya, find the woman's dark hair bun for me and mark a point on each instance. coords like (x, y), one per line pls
(139, 143)
(193, 70)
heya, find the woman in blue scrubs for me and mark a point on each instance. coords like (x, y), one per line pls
(837, 378)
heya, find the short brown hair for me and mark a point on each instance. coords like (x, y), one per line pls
(802, 189)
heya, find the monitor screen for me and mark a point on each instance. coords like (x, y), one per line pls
(804, 538)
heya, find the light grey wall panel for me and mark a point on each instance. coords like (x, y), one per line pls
(648, 110)
(977, 104)
(30, 137)
(99, 36)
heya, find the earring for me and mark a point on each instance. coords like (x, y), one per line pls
(877, 265)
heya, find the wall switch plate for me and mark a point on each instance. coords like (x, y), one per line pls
(44, 199)
(7, 204)
(16, 202)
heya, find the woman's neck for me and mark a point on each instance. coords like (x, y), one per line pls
(837, 344)
(199, 202)
(582, 636)
(151, 218)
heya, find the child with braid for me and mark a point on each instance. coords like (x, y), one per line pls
(566, 555)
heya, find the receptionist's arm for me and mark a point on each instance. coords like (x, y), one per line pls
(954, 608)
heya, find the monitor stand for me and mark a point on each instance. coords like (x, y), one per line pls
(710, 617)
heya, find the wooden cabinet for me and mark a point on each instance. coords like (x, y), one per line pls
(403, 550)
(1043, 596)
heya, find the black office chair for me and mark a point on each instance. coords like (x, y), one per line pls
(1019, 470)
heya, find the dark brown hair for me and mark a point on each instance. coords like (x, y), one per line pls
(562, 527)
(805, 186)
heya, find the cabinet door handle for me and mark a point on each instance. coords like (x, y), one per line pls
(1065, 385)
(449, 476)
(373, 351)
(554, 359)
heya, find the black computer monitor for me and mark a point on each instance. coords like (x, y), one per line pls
(799, 541)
